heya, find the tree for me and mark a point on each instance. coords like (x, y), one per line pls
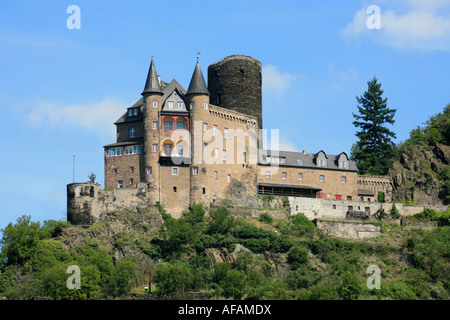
(19, 241)
(374, 151)
(92, 177)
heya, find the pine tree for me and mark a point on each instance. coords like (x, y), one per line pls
(374, 152)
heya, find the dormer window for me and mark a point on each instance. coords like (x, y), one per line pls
(132, 112)
(170, 104)
(321, 162)
(343, 164)
(180, 105)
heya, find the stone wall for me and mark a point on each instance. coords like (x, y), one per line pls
(347, 229)
(87, 203)
(253, 212)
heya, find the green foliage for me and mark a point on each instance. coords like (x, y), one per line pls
(395, 214)
(435, 130)
(302, 277)
(222, 222)
(52, 228)
(234, 284)
(122, 278)
(426, 215)
(266, 218)
(92, 177)
(19, 240)
(297, 256)
(374, 151)
(350, 287)
(54, 283)
(298, 225)
(173, 277)
(397, 290)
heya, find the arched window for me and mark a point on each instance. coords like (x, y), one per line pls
(181, 124)
(168, 123)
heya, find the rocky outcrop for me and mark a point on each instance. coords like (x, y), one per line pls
(417, 175)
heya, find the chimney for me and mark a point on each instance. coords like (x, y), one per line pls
(304, 151)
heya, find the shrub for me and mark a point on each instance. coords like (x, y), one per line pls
(426, 215)
(176, 277)
(394, 212)
(222, 222)
(257, 245)
(297, 256)
(266, 218)
(350, 288)
(234, 284)
(397, 290)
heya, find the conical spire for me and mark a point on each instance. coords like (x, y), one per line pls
(152, 83)
(198, 84)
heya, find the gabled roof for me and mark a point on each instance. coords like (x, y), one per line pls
(305, 160)
(198, 84)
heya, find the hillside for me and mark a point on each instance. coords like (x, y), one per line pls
(421, 175)
(221, 256)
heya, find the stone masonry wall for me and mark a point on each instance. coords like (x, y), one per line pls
(347, 229)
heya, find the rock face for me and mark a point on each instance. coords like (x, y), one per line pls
(416, 176)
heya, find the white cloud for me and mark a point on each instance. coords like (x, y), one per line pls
(98, 117)
(425, 26)
(274, 81)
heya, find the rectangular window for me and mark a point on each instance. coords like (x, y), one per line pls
(344, 179)
(155, 125)
(114, 152)
(120, 184)
(191, 105)
(300, 176)
(174, 189)
(135, 111)
(149, 170)
(132, 132)
(225, 132)
(216, 153)
(131, 169)
(130, 112)
(205, 106)
(155, 147)
(224, 155)
(155, 104)
(349, 198)
(115, 171)
(180, 150)
(215, 130)
(284, 175)
(168, 149)
(204, 190)
(343, 164)
(321, 162)
(216, 175)
(174, 171)
(205, 147)
(338, 197)
(195, 171)
(170, 104)
(180, 104)
(322, 178)
(267, 174)
(205, 127)
(168, 125)
(131, 181)
(133, 149)
(229, 178)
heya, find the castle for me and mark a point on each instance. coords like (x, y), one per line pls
(179, 147)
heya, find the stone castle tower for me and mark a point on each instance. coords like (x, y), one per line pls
(235, 83)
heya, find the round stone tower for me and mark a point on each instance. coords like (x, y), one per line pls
(236, 83)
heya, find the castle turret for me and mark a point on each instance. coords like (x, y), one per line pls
(235, 83)
(152, 95)
(198, 101)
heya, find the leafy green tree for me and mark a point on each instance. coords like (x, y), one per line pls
(394, 212)
(19, 240)
(173, 277)
(374, 151)
(222, 222)
(123, 277)
(234, 284)
(297, 256)
(350, 288)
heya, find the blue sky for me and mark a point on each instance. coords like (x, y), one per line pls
(61, 89)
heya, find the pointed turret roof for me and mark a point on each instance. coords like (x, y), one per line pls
(198, 84)
(152, 83)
